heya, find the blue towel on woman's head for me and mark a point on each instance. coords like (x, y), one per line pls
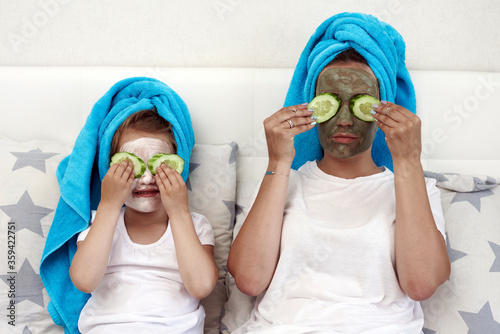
(384, 49)
(80, 174)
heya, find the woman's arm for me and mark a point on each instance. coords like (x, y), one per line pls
(91, 258)
(255, 252)
(421, 256)
(197, 266)
(422, 261)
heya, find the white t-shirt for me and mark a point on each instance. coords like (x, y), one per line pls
(142, 290)
(336, 271)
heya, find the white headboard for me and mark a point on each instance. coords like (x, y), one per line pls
(459, 110)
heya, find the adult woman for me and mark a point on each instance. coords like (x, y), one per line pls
(342, 245)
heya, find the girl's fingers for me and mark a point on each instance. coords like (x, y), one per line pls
(124, 169)
(161, 178)
(113, 168)
(129, 171)
(168, 176)
(173, 176)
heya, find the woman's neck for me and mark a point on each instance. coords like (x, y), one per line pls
(349, 168)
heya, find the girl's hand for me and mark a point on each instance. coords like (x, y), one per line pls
(281, 128)
(402, 130)
(117, 183)
(173, 190)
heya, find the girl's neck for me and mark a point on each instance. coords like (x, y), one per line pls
(145, 228)
(134, 217)
(349, 168)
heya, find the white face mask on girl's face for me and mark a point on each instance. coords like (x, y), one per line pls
(145, 195)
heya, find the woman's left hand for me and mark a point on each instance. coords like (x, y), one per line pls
(173, 190)
(402, 130)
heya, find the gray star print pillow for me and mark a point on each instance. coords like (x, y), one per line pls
(469, 302)
(28, 199)
(29, 194)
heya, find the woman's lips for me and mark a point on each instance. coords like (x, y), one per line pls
(344, 138)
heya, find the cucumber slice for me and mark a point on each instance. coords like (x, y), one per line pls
(361, 106)
(139, 165)
(325, 106)
(172, 160)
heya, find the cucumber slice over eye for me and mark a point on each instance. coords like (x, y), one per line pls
(172, 160)
(361, 106)
(325, 106)
(139, 165)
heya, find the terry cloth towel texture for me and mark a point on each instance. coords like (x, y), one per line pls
(80, 174)
(383, 48)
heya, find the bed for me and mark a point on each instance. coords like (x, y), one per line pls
(45, 108)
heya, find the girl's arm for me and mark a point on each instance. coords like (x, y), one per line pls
(254, 255)
(422, 261)
(197, 266)
(92, 255)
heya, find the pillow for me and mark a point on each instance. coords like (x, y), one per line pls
(28, 199)
(239, 305)
(469, 302)
(212, 192)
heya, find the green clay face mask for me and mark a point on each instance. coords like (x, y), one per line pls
(344, 135)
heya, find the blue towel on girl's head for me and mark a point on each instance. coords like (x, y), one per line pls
(80, 175)
(384, 49)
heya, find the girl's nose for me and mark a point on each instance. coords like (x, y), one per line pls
(147, 177)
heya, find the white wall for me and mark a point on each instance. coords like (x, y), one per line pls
(440, 35)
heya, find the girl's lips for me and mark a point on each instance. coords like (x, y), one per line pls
(146, 193)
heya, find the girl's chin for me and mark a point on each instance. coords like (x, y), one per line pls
(144, 205)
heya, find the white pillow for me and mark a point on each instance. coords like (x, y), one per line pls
(29, 196)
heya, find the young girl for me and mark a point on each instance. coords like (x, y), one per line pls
(148, 263)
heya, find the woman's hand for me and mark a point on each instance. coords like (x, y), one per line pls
(117, 183)
(402, 130)
(281, 128)
(173, 190)
(422, 261)
(254, 254)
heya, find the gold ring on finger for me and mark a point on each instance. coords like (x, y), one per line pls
(290, 123)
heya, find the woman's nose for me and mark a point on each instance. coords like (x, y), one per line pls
(345, 115)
